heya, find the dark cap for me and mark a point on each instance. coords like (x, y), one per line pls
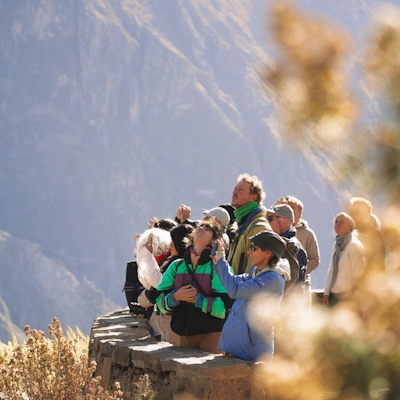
(284, 210)
(267, 240)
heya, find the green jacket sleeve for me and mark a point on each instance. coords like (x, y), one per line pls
(164, 301)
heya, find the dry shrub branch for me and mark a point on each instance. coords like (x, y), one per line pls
(350, 351)
(50, 368)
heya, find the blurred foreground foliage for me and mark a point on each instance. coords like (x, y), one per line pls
(350, 351)
(50, 368)
(316, 109)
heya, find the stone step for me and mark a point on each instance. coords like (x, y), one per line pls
(124, 351)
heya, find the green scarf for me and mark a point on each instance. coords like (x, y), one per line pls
(244, 210)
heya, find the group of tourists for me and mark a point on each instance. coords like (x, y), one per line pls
(201, 276)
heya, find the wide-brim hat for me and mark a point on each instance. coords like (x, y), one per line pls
(271, 241)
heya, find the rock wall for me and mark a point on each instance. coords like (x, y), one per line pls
(124, 351)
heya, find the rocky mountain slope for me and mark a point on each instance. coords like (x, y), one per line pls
(114, 112)
(34, 288)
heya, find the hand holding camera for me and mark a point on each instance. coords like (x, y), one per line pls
(217, 250)
(214, 249)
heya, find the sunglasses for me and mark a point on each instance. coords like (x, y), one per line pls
(253, 247)
(272, 217)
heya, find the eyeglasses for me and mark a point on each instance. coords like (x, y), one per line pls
(270, 218)
(253, 247)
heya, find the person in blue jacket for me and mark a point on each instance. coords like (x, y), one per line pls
(266, 279)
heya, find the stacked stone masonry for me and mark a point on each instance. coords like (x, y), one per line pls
(124, 351)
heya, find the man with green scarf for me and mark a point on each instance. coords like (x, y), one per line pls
(247, 197)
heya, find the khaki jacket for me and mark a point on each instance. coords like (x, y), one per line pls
(238, 258)
(309, 241)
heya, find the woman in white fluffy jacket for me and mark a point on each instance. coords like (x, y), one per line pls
(153, 261)
(151, 249)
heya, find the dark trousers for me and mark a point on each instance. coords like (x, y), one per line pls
(335, 298)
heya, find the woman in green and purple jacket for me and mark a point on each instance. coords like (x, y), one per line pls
(193, 293)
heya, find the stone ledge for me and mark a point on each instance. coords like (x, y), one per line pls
(124, 351)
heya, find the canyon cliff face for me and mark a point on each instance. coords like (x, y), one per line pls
(114, 112)
(35, 288)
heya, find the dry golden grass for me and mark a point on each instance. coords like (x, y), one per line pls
(50, 368)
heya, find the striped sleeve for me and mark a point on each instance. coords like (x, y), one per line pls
(164, 301)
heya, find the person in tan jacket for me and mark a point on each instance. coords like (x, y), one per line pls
(250, 214)
(305, 235)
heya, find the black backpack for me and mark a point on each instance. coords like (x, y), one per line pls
(132, 289)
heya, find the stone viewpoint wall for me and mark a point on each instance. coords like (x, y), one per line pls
(124, 351)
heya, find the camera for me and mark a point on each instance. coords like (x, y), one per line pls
(137, 309)
(214, 249)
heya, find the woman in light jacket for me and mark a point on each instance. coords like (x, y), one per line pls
(265, 283)
(347, 261)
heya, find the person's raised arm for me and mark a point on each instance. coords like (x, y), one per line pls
(183, 213)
